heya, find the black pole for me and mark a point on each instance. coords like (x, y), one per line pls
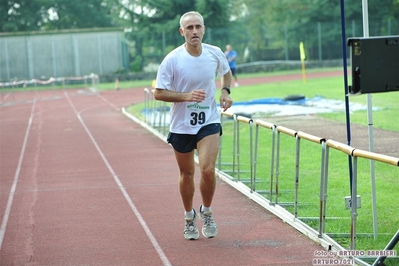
(390, 246)
(344, 59)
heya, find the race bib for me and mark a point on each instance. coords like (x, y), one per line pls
(197, 113)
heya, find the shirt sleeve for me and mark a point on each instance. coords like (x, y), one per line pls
(164, 75)
(223, 64)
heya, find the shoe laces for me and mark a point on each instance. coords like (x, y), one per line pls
(208, 219)
(190, 224)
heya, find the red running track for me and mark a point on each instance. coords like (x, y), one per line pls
(81, 184)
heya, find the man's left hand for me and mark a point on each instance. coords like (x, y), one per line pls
(225, 101)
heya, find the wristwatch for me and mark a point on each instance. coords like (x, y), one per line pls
(227, 89)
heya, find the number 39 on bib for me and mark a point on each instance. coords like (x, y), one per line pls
(196, 114)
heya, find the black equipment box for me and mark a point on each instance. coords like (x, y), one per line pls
(374, 64)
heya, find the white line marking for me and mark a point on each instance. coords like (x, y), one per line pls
(5, 97)
(16, 177)
(106, 101)
(122, 188)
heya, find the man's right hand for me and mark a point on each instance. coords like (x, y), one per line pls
(197, 96)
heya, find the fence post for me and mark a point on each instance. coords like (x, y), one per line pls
(231, 115)
(249, 121)
(354, 205)
(297, 155)
(146, 104)
(272, 163)
(291, 133)
(273, 128)
(323, 188)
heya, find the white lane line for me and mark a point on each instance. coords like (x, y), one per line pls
(16, 177)
(5, 97)
(123, 190)
(106, 101)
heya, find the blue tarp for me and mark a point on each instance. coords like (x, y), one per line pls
(272, 101)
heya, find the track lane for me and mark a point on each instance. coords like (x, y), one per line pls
(80, 216)
(143, 224)
(65, 204)
(7, 210)
(249, 241)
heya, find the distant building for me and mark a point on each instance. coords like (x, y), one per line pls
(67, 53)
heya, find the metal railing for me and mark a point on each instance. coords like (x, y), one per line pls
(23, 91)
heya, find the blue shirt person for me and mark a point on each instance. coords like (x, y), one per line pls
(231, 56)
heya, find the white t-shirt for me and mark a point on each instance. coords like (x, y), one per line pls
(182, 72)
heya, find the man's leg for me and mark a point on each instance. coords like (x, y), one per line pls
(208, 149)
(234, 74)
(186, 164)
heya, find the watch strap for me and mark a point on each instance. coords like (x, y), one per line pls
(227, 89)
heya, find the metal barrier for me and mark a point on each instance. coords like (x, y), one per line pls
(242, 168)
(260, 123)
(232, 164)
(155, 112)
(356, 153)
(22, 91)
(239, 161)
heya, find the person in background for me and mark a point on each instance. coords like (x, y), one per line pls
(186, 78)
(231, 56)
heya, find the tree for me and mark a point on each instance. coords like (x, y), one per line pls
(22, 15)
(284, 23)
(28, 15)
(149, 21)
(60, 14)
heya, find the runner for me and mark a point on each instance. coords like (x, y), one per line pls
(186, 77)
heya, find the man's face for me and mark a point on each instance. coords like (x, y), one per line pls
(193, 30)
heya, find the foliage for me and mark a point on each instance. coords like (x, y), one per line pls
(27, 15)
(287, 22)
(74, 14)
(21, 15)
(136, 64)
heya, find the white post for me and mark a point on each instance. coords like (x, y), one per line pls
(370, 125)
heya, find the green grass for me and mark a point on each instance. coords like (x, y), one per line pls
(387, 116)
(338, 218)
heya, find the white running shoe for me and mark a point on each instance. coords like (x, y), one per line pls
(209, 228)
(190, 228)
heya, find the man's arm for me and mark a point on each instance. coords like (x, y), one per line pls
(225, 100)
(173, 96)
(225, 80)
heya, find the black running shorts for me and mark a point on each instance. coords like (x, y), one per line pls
(186, 142)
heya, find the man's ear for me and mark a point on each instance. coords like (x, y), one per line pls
(181, 31)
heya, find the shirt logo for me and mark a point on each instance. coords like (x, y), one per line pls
(197, 106)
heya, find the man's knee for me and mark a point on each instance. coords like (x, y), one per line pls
(186, 175)
(208, 173)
